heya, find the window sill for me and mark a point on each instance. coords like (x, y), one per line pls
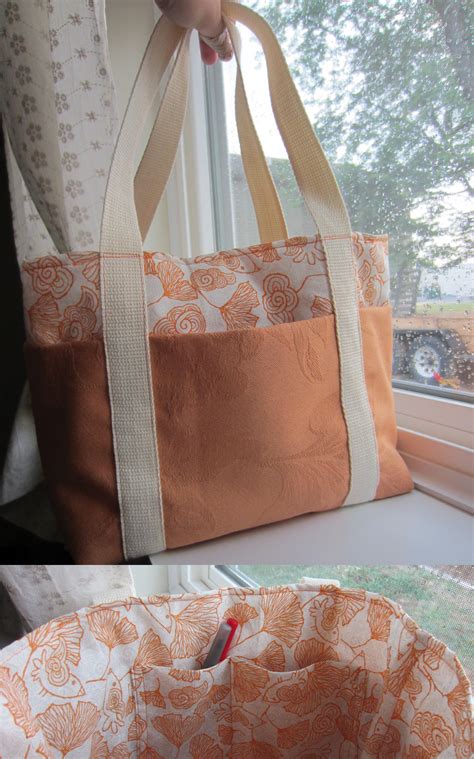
(415, 528)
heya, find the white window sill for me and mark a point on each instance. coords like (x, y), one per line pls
(415, 528)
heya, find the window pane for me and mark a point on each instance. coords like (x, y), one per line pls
(389, 91)
(439, 599)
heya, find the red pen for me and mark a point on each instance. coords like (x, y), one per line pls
(221, 643)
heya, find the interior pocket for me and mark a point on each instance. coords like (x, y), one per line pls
(182, 709)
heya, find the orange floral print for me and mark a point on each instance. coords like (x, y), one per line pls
(311, 651)
(379, 618)
(66, 728)
(188, 675)
(181, 320)
(302, 250)
(289, 737)
(44, 320)
(325, 722)
(67, 629)
(433, 731)
(49, 276)
(241, 612)
(248, 681)
(176, 728)
(255, 750)
(204, 747)
(321, 306)
(271, 658)
(266, 251)
(384, 742)
(88, 263)
(154, 697)
(100, 749)
(231, 261)
(80, 321)
(107, 626)
(13, 689)
(194, 627)
(211, 279)
(279, 298)
(282, 616)
(183, 698)
(175, 286)
(237, 312)
(151, 653)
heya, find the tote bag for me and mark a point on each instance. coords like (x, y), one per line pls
(312, 672)
(178, 400)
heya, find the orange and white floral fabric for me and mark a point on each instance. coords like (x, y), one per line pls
(320, 672)
(259, 286)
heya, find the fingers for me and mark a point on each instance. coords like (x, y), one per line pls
(206, 17)
(220, 44)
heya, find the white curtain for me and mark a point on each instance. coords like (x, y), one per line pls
(58, 103)
(36, 593)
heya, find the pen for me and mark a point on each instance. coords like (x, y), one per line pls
(221, 643)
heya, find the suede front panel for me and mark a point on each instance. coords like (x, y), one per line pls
(250, 430)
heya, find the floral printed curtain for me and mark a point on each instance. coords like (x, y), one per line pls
(34, 594)
(59, 114)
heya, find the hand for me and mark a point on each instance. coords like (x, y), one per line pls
(206, 17)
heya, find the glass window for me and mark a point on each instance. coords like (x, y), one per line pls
(388, 87)
(439, 599)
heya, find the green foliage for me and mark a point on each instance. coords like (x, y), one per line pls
(391, 83)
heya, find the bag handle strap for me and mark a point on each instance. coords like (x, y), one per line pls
(323, 198)
(160, 153)
(124, 310)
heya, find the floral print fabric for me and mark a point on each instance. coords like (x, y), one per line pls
(319, 672)
(259, 286)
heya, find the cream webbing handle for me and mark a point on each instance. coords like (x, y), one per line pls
(160, 153)
(326, 205)
(124, 312)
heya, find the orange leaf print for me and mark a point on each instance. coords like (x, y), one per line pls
(100, 749)
(289, 737)
(311, 651)
(231, 261)
(204, 747)
(459, 702)
(49, 275)
(398, 679)
(418, 752)
(176, 728)
(325, 722)
(130, 706)
(379, 617)
(226, 734)
(321, 306)
(137, 728)
(248, 681)
(150, 753)
(65, 727)
(237, 312)
(194, 627)
(149, 263)
(255, 750)
(265, 251)
(242, 612)
(297, 699)
(13, 689)
(44, 320)
(181, 320)
(107, 626)
(183, 698)
(283, 617)
(434, 653)
(187, 675)
(151, 653)
(326, 678)
(175, 286)
(211, 279)
(271, 658)
(67, 629)
(88, 263)
(345, 606)
(433, 732)
(154, 697)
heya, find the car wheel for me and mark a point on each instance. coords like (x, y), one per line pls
(428, 355)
